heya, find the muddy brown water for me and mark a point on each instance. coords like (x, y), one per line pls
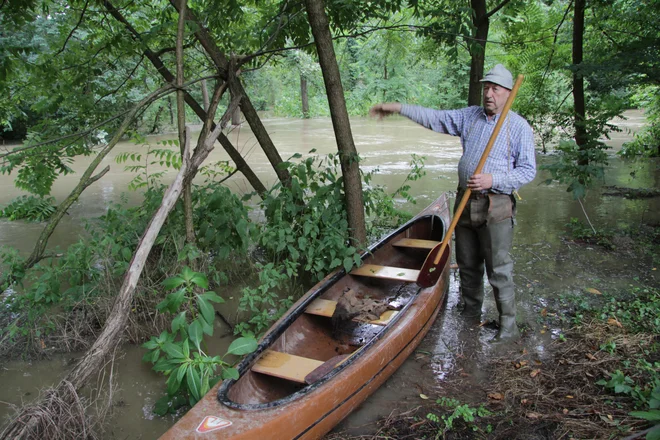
(546, 266)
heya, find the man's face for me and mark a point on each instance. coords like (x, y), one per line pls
(495, 97)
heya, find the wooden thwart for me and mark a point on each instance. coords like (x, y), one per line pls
(325, 307)
(416, 243)
(285, 366)
(386, 272)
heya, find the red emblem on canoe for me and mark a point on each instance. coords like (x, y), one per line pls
(212, 423)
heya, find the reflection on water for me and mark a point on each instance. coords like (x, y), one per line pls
(386, 146)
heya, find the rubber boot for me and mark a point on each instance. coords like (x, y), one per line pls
(508, 331)
(473, 299)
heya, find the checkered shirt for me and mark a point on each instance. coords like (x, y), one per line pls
(512, 160)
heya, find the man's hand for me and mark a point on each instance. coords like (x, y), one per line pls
(480, 182)
(385, 109)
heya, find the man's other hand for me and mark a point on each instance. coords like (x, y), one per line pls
(384, 109)
(480, 182)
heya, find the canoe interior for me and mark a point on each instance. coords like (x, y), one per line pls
(311, 336)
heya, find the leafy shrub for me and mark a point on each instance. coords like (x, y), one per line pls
(30, 208)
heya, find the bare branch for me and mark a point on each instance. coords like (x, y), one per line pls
(98, 176)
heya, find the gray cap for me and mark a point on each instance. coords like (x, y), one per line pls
(499, 75)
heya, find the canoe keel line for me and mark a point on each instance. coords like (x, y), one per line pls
(334, 347)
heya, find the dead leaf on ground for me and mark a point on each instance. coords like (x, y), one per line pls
(535, 373)
(569, 397)
(592, 290)
(495, 396)
(544, 312)
(524, 402)
(565, 411)
(614, 321)
(520, 364)
(591, 357)
(533, 415)
(424, 396)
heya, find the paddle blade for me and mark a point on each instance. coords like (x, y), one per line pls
(430, 272)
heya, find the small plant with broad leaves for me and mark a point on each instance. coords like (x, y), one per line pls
(652, 415)
(181, 353)
(463, 412)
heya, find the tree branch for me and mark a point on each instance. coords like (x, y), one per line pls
(82, 14)
(123, 82)
(497, 8)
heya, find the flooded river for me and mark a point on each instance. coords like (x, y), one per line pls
(545, 265)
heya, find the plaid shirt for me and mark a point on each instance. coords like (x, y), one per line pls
(512, 160)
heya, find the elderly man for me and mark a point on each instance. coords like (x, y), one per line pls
(484, 232)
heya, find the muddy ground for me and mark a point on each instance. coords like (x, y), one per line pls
(458, 385)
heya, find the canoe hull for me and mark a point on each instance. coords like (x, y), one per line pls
(316, 409)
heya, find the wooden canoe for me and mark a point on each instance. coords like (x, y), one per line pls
(306, 376)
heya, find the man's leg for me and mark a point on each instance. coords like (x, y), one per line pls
(470, 261)
(496, 239)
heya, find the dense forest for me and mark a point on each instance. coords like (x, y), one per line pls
(78, 77)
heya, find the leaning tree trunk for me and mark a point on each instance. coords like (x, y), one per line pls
(318, 20)
(478, 50)
(87, 179)
(578, 80)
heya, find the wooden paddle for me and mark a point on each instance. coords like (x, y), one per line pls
(438, 256)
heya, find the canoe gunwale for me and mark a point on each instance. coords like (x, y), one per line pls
(271, 337)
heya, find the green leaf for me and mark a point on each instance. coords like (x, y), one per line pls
(651, 416)
(173, 383)
(653, 434)
(348, 264)
(206, 327)
(173, 282)
(186, 348)
(195, 333)
(212, 296)
(194, 382)
(200, 280)
(229, 373)
(214, 380)
(179, 322)
(162, 406)
(242, 346)
(174, 350)
(187, 273)
(206, 309)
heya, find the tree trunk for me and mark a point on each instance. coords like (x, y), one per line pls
(156, 118)
(578, 79)
(181, 122)
(236, 117)
(304, 98)
(318, 20)
(205, 96)
(480, 21)
(260, 132)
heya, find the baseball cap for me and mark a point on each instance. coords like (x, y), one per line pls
(499, 75)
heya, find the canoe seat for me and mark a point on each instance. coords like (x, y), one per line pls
(285, 366)
(386, 272)
(416, 243)
(326, 307)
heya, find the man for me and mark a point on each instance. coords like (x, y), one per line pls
(484, 232)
